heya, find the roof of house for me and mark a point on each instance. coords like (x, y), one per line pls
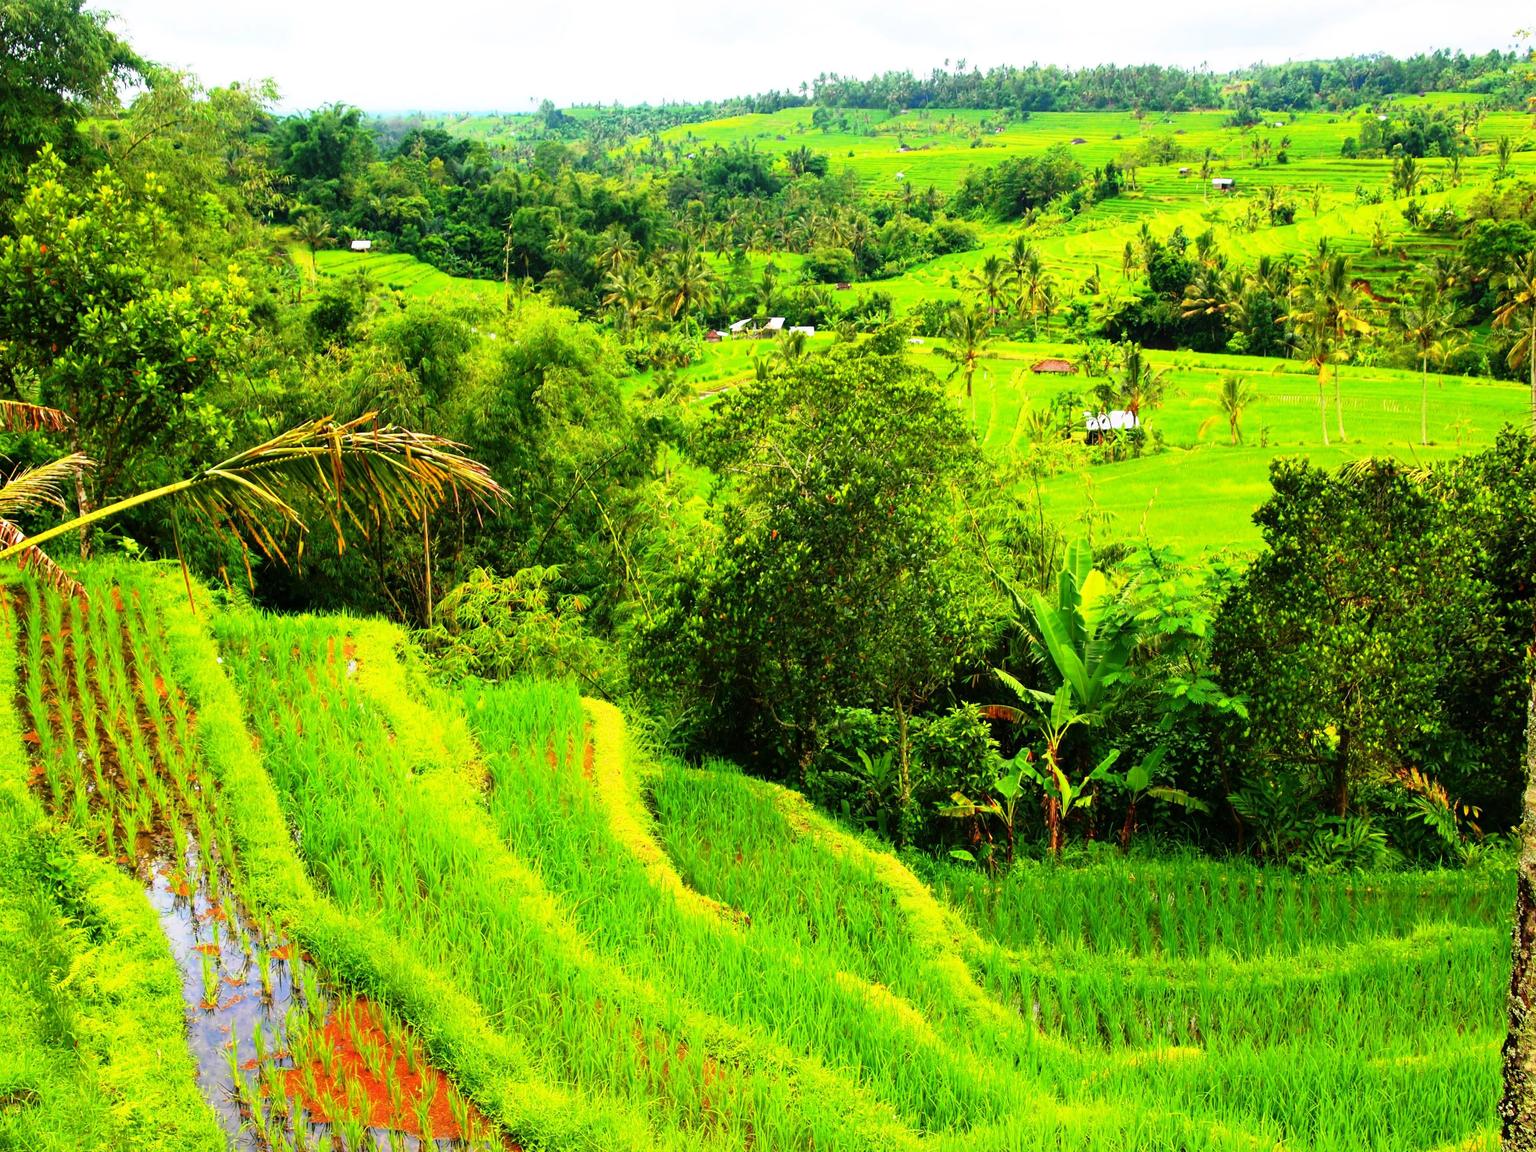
(741, 325)
(361, 245)
(808, 329)
(1053, 365)
(775, 324)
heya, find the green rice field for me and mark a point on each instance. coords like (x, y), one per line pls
(496, 899)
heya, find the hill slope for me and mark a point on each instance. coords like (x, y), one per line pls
(605, 951)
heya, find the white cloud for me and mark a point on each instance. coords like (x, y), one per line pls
(479, 54)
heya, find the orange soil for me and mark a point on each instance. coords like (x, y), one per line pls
(348, 1067)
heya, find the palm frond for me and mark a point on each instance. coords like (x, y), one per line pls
(32, 488)
(359, 475)
(36, 561)
(21, 416)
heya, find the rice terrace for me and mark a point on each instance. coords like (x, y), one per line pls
(982, 611)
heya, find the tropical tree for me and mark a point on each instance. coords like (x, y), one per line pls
(314, 232)
(1234, 398)
(631, 293)
(1330, 309)
(969, 335)
(1033, 287)
(686, 283)
(359, 475)
(1516, 286)
(1427, 321)
(989, 280)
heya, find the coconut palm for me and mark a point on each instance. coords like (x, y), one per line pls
(1314, 341)
(1235, 397)
(359, 475)
(969, 335)
(1427, 321)
(630, 292)
(990, 279)
(314, 232)
(1517, 310)
(1328, 299)
(686, 283)
(1033, 287)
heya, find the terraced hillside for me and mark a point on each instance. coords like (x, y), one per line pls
(598, 949)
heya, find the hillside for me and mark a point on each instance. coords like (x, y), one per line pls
(601, 949)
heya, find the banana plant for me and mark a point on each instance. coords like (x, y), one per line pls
(1062, 795)
(1136, 782)
(1086, 641)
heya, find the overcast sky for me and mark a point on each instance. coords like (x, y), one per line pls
(388, 55)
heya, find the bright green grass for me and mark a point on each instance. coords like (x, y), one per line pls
(91, 1049)
(403, 273)
(1281, 1011)
(710, 964)
(1202, 492)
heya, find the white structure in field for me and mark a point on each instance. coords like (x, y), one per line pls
(362, 245)
(1103, 424)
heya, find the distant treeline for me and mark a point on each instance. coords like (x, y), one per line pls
(1342, 83)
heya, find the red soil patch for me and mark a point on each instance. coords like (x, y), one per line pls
(349, 1067)
(588, 758)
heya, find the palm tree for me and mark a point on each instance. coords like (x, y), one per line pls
(1236, 396)
(360, 475)
(1329, 298)
(686, 283)
(969, 335)
(1517, 310)
(631, 293)
(1138, 387)
(989, 280)
(1033, 285)
(1426, 320)
(314, 231)
(1313, 339)
(619, 251)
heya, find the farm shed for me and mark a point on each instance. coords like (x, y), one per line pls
(808, 329)
(1223, 183)
(741, 327)
(362, 245)
(1183, 171)
(775, 324)
(1053, 367)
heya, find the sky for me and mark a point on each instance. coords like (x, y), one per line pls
(485, 55)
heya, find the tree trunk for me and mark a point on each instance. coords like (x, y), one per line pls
(83, 502)
(904, 761)
(1338, 402)
(1322, 404)
(1517, 1108)
(1341, 776)
(1129, 827)
(1530, 358)
(1424, 400)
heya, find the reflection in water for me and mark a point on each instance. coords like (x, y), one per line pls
(245, 994)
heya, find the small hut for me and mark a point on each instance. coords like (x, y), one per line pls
(1223, 183)
(1053, 367)
(362, 245)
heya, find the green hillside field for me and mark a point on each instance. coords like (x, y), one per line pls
(606, 950)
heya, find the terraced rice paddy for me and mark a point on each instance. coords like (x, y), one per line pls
(599, 949)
